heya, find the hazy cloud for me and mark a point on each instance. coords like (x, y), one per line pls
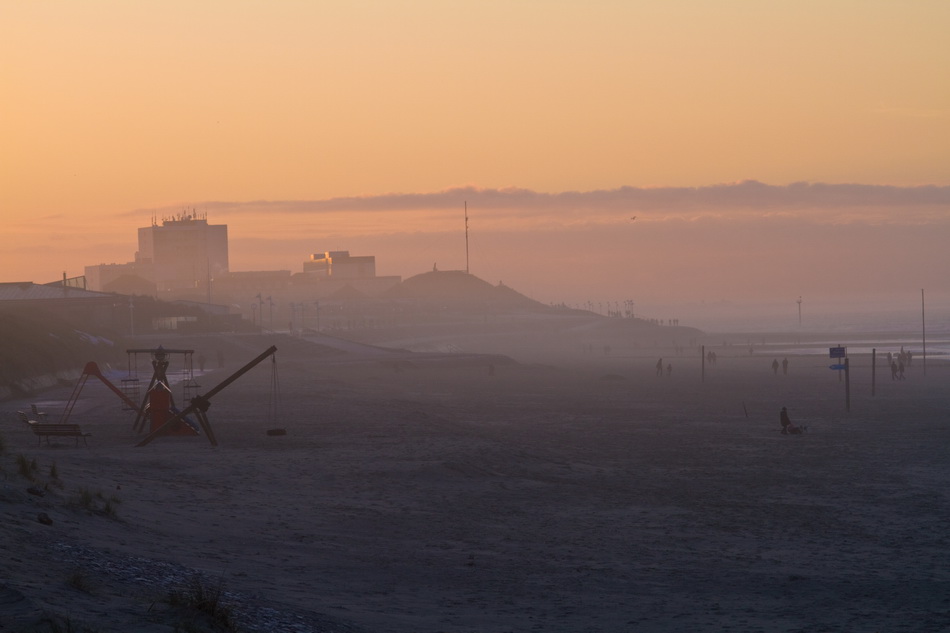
(746, 195)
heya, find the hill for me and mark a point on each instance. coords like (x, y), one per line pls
(459, 286)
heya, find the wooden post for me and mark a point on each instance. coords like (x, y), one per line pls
(847, 386)
(923, 328)
(873, 370)
(702, 353)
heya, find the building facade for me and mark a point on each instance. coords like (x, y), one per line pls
(185, 252)
(340, 265)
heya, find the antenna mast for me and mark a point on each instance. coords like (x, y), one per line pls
(466, 237)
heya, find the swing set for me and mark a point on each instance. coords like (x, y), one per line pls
(157, 406)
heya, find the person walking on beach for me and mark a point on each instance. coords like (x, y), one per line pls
(659, 367)
(893, 370)
(775, 367)
(669, 370)
(785, 366)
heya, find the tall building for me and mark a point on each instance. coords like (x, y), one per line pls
(184, 252)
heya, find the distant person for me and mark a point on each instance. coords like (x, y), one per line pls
(900, 370)
(775, 367)
(785, 366)
(789, 427)
(669, 370)
(659, 367)
(201, 362)
(893, 370)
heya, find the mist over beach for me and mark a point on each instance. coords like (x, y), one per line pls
(443, 317)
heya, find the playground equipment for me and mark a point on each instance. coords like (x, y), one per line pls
(158, 405)
(200, 404)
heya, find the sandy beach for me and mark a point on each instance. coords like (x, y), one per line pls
(568, 490)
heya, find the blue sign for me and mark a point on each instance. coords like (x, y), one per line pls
(837, 366)
(837, 352)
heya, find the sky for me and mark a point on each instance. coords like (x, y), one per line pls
(767, 150)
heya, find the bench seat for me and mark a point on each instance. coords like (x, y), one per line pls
(59, 430)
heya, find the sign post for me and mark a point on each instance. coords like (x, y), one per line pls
(842, 352)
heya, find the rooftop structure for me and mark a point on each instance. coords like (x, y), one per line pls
(340, 265)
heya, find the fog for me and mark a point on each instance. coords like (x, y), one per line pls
(746, 242)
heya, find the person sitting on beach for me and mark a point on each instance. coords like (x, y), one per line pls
(789, 427)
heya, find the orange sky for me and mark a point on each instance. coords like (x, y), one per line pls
(113, 109)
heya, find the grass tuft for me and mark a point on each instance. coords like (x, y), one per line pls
(23, 467)
(79, 581)
(200, 599)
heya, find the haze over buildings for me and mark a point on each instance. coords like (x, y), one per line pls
(366, 128)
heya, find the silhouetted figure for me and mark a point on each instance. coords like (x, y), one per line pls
(669, 370)
(788, 427)
(201, 362)
(659, 367)
(775, 367)
(785, 366)
(893, 370)
(900, 371)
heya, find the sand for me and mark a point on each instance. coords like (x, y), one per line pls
(458, 493)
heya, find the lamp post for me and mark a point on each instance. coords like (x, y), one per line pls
(799, 302)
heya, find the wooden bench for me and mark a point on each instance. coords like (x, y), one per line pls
(59, 430)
